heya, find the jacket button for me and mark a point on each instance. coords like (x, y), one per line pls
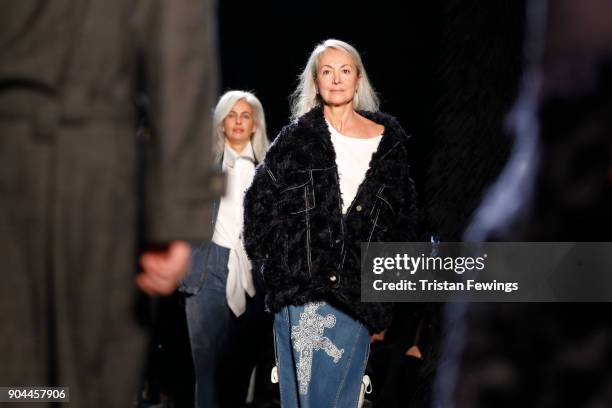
(359, 208)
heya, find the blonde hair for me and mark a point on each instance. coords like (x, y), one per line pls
(259, 140)
(305, 96)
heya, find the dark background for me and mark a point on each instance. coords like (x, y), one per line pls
(265, 49)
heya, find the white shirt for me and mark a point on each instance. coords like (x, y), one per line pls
(240, 169)
(353, 157)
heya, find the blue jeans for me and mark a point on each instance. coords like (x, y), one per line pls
(225, 348)
(321, 354)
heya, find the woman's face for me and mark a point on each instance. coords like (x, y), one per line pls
(239, 125)
(337, 79)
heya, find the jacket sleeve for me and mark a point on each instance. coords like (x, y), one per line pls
(261, 219)
(179, 67)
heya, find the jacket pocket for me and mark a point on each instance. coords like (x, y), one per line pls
(296, 201)
(296, 194)
(383, 212)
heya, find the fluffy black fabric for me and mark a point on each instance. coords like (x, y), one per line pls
(295, 232)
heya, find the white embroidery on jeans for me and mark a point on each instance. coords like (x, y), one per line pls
(308, 337)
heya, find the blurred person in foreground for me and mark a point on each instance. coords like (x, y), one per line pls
(69, 73)
(557, 186)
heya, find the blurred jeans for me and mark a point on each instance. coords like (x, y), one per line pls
(225, 348)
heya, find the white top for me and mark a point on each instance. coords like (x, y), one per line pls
(239, 169)
(353, 157)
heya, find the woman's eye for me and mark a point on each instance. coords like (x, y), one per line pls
(346, 71)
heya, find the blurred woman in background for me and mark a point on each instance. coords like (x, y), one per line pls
(224, 300)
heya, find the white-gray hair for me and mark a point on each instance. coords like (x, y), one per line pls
(259, 140)
(305, 96)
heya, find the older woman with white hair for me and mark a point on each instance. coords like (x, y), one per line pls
(224, 301)
(335, 177)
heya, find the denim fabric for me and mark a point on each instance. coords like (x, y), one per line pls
(225, 348)
(321, 356)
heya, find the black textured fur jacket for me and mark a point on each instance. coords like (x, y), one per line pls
(295, 232)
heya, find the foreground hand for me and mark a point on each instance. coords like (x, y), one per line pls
(376, 337)
(161, 270)
(415, 352)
